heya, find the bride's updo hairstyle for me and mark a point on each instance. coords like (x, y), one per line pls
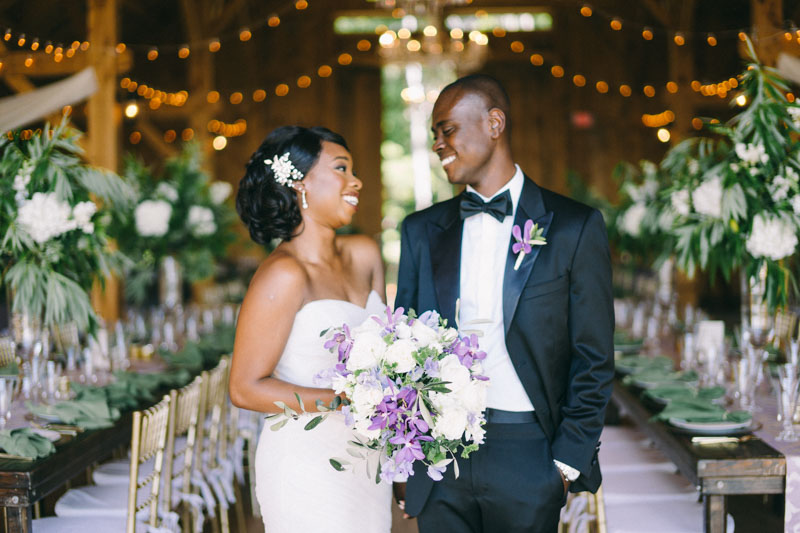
(269, 209)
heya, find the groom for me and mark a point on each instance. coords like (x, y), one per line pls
(549, 336)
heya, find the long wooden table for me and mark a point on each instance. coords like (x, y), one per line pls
(23, 483)
(749, 467)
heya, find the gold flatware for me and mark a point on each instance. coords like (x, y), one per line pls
(722, 440)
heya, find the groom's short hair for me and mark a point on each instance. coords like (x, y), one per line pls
(486, 87)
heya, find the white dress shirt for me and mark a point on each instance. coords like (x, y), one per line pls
(484, 250)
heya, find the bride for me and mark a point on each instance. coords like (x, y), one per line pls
(300, 188)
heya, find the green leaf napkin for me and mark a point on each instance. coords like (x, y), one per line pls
(634, 363)
(700, 410)
(680, 391)
(25, 443)
(92, 413)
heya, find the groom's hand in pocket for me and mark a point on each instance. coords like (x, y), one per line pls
(399, 490)
(564, 480)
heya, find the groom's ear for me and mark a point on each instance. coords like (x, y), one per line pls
(497, 122)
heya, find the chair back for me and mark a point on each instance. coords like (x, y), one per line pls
(149, 439)
(185, 403)
(217, 400)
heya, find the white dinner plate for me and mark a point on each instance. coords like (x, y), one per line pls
(710, 427)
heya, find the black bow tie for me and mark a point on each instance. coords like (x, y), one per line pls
(499, 206)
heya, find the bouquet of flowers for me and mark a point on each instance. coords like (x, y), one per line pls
(415, 391)
(415, 387)
(53, 238)
(179, 213)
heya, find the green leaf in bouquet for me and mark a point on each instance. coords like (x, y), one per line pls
(314, 422)
(300, 401)
(324, 332)
(278, 425)
(338, 464)
(337, 401)
(423, 409)
(355, 453)
(468, 449)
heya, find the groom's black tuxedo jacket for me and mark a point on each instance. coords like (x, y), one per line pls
(558, 313)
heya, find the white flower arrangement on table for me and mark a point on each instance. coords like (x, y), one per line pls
(53, 237)
(415, 392)
(178, 213)
(744, 208)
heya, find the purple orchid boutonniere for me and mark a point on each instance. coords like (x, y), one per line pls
(533, 236)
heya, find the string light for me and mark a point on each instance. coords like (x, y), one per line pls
(616, 24)
(245, 35)
(236, 129)
(679, 39)
(663, 135)
(586, 11)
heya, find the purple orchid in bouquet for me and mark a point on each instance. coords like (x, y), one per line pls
(415, 391)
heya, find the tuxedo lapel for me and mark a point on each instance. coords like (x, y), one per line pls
(531, 206)
(445, 249)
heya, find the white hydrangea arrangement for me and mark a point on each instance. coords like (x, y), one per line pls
(743, 190)
(53, 236)
(178, 213)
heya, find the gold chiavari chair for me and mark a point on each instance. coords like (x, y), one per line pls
(180, 449)
(98, 507)
(218, 441)
(205, 480)
(8, 351)
(583, 513)
(785, 328)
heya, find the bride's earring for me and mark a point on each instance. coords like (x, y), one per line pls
(303, 199)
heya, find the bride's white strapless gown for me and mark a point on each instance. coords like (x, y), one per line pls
(297, 488)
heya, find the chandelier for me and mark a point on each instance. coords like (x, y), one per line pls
(413, 43)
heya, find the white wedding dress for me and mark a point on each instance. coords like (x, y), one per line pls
(297, 488)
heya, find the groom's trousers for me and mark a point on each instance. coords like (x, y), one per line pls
(510, 485)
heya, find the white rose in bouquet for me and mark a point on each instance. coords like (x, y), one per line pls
(424, 335)
(771, 237)
(796, 204)
(402, 354)
(367, 393)
(367, 351)
(451, 422)
(152, 218)
(454, 372)
(201, 221)
(44, 216)
(219, 191)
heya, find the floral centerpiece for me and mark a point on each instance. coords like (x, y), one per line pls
(736, 198)
(54, 235)
(415, 391)
(641, 225)
(176, 214)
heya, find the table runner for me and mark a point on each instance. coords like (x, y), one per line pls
(791, 450)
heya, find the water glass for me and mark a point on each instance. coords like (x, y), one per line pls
(8, 385)
(787, 386)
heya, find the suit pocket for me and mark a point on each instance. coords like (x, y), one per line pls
(545, 287)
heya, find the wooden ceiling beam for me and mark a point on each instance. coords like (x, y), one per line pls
(154, 138)
(228, 13)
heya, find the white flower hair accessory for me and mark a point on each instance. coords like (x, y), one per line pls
(285, 171)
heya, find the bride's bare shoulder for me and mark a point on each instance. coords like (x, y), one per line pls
(280, 275)
(359, 247)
